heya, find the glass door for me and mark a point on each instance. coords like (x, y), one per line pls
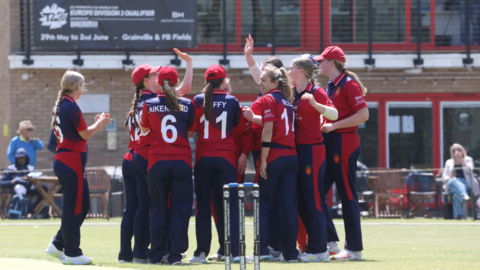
(409, 135)
(460, 123)
(368, 133)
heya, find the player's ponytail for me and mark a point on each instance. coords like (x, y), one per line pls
(171, 98)
(71, 80)
(341, 67)
(280, 76)
(133, 106)
(208, 100)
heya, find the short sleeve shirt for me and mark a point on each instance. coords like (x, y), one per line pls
(69, 123)
(347, 97)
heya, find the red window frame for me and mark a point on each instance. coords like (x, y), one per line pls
(310, 34)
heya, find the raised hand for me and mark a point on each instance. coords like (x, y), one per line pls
(249, 45)
(182, 55)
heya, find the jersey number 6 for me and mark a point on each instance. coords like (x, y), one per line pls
(58, 131)
(166, 128)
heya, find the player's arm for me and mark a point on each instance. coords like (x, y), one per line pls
(327, 111)
(145, 122)
(252, 65)
(250, 116)
(186, 85)
(101, 121)
(266, 140)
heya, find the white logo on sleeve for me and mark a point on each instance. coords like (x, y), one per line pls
(357, 98)
(267, 111)
(54, 16)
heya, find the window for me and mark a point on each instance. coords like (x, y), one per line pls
(409, 135)
(425, 21)
(349, 21)
(210, 21)
(461, 124)
(257, 21)
(368, 133)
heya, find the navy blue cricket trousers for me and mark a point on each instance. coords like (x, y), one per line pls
(342, 151)
(282, 173)
(70, 170)
(141, 228)
(131, 202)
(275, 217)
(310, 195)
(169, 176)
(211, 173)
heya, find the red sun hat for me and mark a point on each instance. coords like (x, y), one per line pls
(332, 52)
(215, 72)
(169, 73)
(142, 71)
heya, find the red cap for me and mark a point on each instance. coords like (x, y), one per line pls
(142, 71)
(169, 73)
(215, 72)
(332, 52)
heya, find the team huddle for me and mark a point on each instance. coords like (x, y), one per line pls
(302, 138)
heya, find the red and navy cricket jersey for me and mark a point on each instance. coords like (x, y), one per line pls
(242, 137)
(216, 133)
(143, 139)
(346, 95)
(257, 129)
(168, 129)
(276, 108)
(307, 118)
(69, 123)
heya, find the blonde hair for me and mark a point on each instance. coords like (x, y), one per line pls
(456, 145)
(341, 67)
(71, 80)
(172, 99)
(280, 76)
(308, 67)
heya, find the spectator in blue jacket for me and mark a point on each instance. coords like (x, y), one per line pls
(25, 140)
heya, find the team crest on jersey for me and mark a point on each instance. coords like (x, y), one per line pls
(336, 158)
(308, 169)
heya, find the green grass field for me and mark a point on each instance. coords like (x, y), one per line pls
(388, 244)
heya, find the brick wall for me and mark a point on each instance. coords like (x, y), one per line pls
(4, 79)
(14, 26)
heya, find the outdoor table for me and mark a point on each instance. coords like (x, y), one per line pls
(47, 196)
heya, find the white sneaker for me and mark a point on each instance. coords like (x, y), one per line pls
(262, 258)
(177, 263)
(123, 261)
(275, 255)
(333, 248)
(216, 257)
(54, 252)
(140, 261)
(348, 255)
(164, 259)
(318, 257)
(80, 260)
(200, 259)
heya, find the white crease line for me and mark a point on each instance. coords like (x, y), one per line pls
(251, 224)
